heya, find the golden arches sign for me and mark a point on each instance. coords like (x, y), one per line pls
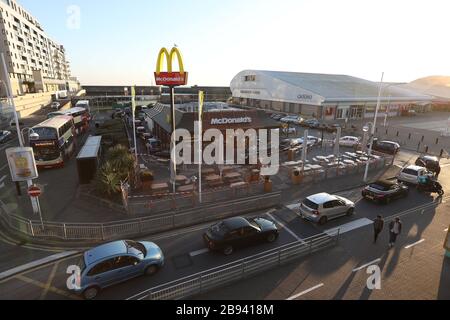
(170, 78)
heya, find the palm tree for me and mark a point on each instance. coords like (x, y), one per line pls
(108, 180)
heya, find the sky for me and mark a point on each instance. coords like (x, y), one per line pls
(116, 42)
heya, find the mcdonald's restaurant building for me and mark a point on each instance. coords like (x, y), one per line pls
(216, 115)
(323, 96)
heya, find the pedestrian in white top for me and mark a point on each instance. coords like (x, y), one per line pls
(395, 229)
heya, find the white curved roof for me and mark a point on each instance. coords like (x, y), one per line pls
(314, 89)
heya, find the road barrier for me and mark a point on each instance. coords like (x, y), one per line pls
(135, 227)
(207, 280)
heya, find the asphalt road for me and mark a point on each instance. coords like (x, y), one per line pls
(186, 255)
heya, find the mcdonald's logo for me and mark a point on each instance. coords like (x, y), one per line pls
(169, 77)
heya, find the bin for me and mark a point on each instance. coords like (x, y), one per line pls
(267, 185)
(297, 176)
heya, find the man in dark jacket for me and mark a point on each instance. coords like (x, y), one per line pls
(378, 226)
(395, 229)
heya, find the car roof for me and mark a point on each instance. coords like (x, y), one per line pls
(415, 168)
(385, 183)
(321, 198)
(430, 158)
(104, 251)
(235, 223)
(390, 142)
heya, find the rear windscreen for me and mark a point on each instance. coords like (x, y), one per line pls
(310, 204)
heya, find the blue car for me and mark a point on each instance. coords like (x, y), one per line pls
(116, 262)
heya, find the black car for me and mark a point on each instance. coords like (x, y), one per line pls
(5, 136)
(384, 191)
(232, 233)
(311, 123)
(429, 162)
(388, 147)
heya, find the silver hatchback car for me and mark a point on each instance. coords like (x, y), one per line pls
(116, 262)
(322, 207)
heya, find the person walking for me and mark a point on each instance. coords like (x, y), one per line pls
(378, 226)
(437, 172)
(395, 229)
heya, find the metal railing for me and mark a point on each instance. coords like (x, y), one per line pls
(207, 280)
(135, 227)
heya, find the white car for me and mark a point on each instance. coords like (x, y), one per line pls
(289, 130)
(411, 174)
(55, 105)
(322, 207)
(292, 119)
(349, 141)
(311, 140)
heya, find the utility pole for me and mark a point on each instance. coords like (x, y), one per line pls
(373, 128)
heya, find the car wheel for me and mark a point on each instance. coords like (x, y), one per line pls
(91, 293)
(350, 212)
(151, 270)
(271, 237)
(323, 221)
(228, 250)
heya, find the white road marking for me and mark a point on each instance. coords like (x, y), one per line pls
(3, 178)
(415, 244)
(294, 206)
(198, 252)
(292, 233)
(305, 292)
(446, 230)
(360, 223)
(367, 265)
(4, 167)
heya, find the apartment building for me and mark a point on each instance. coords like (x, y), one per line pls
(35, 62)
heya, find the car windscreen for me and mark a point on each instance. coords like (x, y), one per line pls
(136, 248)
(379, 187)
(411, 172)
(220, 228)
(46, 133)
(310, 204)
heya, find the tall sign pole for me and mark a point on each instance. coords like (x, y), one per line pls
(373, 128)
(34, 201)
(171, 79)
(200, 144)
(133, 111)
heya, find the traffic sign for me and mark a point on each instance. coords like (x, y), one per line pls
(34, 191)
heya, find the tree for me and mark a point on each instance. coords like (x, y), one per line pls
(108, 180)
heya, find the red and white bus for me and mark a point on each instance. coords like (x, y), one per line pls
(81, 117)
(53, 142)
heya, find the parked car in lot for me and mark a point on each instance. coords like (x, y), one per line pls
(411, 174)
(311, 141)
(277, 116)
(388, 147)
(311, 123)
(233, 233)
(290, 130)
(323, 207)
(116, 262)
(5, 136)
(384, 191)
(153, 146)
(56, 105)
(429, 162)
(349, 141)
(292, 119)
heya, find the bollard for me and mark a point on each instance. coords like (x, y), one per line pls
(418, 147)
(442, 153)
(437, 140)
(426, 149)
(423, 138)
(409, 136)
(398, 133)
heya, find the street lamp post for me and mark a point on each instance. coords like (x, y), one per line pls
(373, 129)
(34, 201)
